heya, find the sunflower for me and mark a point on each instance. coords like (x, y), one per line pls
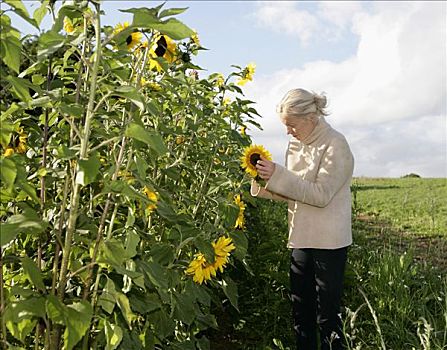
(133, 40)
(21, 147)
(220, 81)
(152, 196)
(243, 130)
(222, 249)
(195, 38)
(68, 25)
(9, 151)
(240, 221)
(162, 46)
(251, 155)
(248, 73)
(154, 86)
(203, 270)
(23, 137)
(127, 176)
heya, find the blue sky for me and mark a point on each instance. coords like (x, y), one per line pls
(231, 33)
(382, 65)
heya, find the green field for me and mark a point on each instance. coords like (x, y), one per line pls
(414, 205)
(395, 286)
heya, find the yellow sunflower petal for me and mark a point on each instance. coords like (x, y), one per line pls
(252, 154)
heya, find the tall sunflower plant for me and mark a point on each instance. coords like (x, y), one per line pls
(119, 211)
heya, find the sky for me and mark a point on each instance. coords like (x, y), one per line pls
(381, 64)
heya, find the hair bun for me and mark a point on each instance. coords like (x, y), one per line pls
(320, 101)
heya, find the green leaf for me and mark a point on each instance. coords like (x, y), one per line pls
(49, 42)
(21, 316)
(11, 52)
(184, 307)
(40, 12)
(145, 302)
(88, 170)
(56, 310)
(63, 152)
(124, 305)
(172, 12)
(11, 110)
(164, 325)
(230, 290)
(112, 252)
(69, 11)
(241, 243)
(8, 171)
(131, 244)
(156, 274)
(151, 138)
(141, 167)
(114, 335)
(143, 17)
(162, 253)
(206, 321)
(231, 213)
(107, 299)
(78, 320)
(131, 94)
(205, 248)
(33, 273)
(73, 110)
(27, 188)
(20, 88)
(27, 222)
(21, 10)
(174, 29)
(203, 343)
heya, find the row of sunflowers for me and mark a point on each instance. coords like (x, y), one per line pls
(123, 198)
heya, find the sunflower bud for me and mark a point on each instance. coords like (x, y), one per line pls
(186, 57)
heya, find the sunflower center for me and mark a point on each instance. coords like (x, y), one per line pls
(254, 158)
(129, 39)
(162, 46)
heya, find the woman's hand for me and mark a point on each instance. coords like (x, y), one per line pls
(265, 168)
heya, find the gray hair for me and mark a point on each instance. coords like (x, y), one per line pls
(300, 102)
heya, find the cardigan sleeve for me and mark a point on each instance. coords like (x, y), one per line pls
(335, 169)
(257, 190)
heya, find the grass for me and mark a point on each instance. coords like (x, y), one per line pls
(414, 205)
(395, 285)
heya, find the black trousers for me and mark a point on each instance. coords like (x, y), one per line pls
(316, 281)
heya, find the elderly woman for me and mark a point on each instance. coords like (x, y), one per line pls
(316, 184)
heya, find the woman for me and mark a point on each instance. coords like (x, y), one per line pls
(316, 184)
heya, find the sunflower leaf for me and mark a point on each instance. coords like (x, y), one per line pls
(172, 12)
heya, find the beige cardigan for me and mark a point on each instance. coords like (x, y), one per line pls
(316, 184)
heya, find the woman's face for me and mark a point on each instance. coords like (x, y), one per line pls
(299, 127)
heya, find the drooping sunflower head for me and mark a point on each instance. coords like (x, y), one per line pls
(220, 80)
(68, 25)
(240, 221)
(247, 74)
(201, 270)
(223, 246)
(195, 38)
(133, 39)
(251, 156)
(153, 197)
(162, 46)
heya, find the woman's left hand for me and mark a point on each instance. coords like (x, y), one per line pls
(265, 168)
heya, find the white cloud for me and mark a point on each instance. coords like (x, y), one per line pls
(389, 99)
(283, 16)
